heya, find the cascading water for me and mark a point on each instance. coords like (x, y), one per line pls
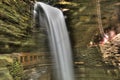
(53, 19)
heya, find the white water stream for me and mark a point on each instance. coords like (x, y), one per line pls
(53, 19)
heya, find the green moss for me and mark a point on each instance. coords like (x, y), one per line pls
(16, 70)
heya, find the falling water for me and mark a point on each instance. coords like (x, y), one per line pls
(53, 19)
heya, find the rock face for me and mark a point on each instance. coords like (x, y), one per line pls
(16, 27)
(111, 51)
(83, 20)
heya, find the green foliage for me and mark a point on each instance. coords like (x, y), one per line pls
(16, 70)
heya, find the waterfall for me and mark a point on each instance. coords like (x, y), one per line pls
(53, 19)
